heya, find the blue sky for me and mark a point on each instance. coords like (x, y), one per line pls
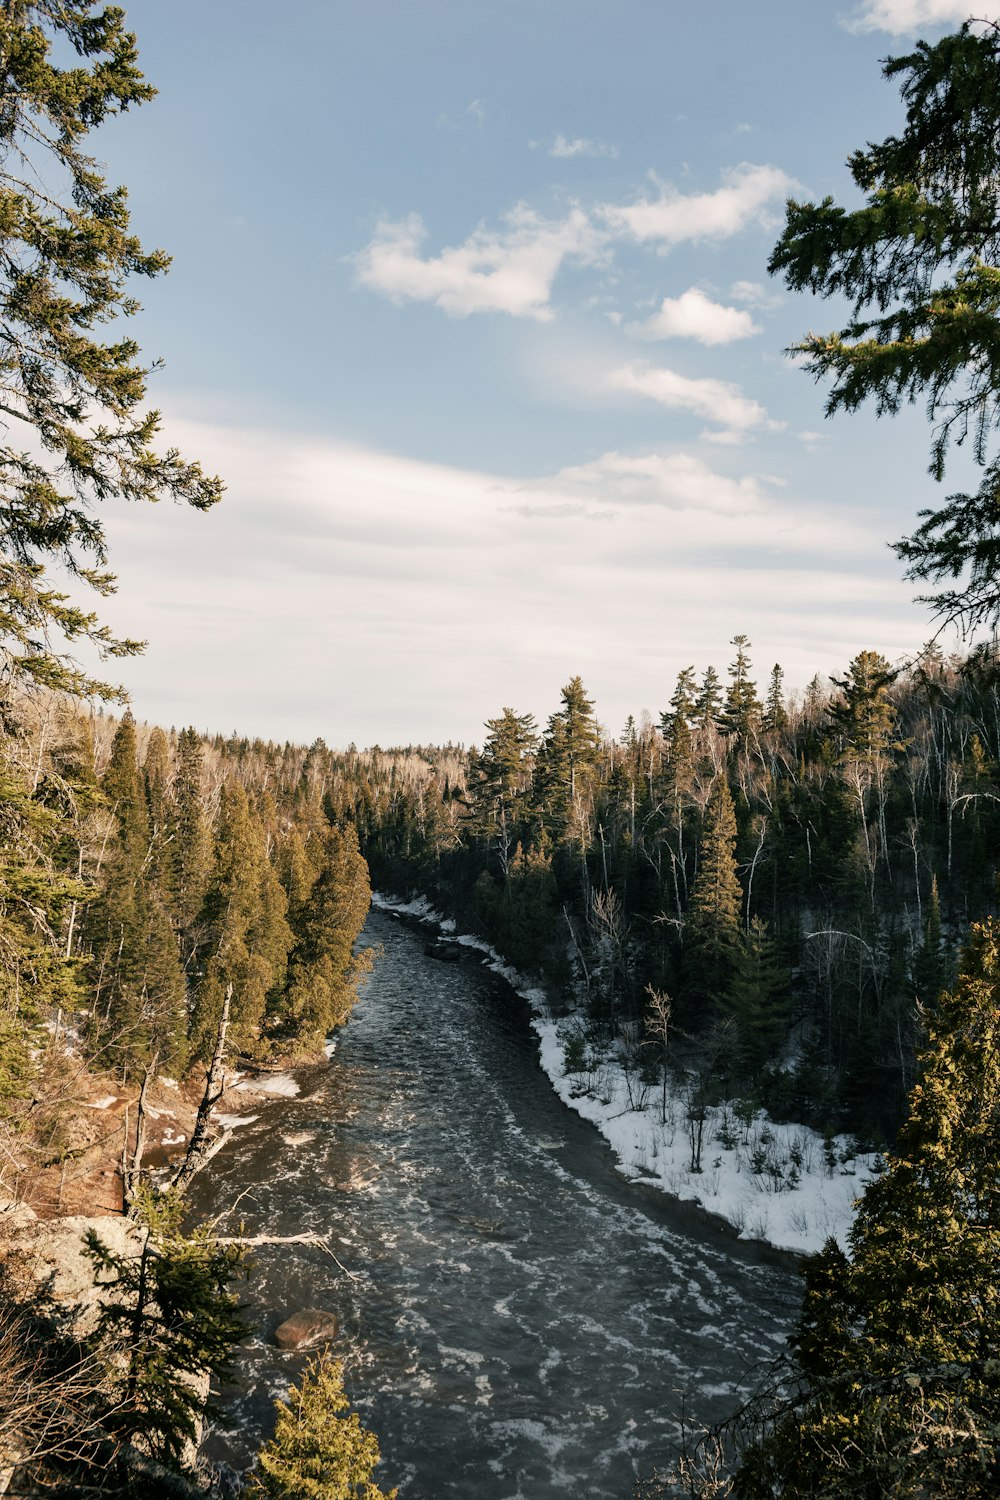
(469, 306)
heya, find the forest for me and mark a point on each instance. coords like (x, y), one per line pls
(794, 891)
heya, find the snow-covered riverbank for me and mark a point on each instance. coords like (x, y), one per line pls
(781, 1183)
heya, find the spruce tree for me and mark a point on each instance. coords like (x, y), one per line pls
(894, 1387)
(319, 1450)
(324, 970)
(713, 930)
(708, 704)
(741, 713)
(72, 400)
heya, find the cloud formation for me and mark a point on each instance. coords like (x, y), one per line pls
(580, 146)
(717, 400)
(382, 598)
(510, 270)
(902, 16)
(746, 197)
(692, 315)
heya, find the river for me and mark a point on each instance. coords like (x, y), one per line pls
(519, 1322)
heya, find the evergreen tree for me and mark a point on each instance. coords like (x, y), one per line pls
(930, 964)
(168, 1318)
(72, 401)
(139, 991)
(502, 779)
(864, 715)
(319, 1450)
(740, 716)
(894, 1370)
(775, 714)
(190, 834)
(919, 262)
(758, 1002)
(708, 704)
(246, 935)
(324, 970)
(713, 933)
(566, 759)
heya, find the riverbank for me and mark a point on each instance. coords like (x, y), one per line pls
(777, 1183)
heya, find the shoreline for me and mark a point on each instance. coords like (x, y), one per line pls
(780, 1188)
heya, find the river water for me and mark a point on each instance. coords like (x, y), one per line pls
(518, 1321)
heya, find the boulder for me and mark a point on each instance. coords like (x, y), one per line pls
(310, 1326)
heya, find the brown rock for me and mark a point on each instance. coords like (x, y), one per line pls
(310, 1326)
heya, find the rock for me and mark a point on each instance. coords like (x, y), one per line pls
(442, 949)
(310, 1326)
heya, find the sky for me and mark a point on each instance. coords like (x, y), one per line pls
(469, 307)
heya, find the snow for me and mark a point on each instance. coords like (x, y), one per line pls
(105, 1102)
(281, 1085)
(233, 1122)
(781, 1183)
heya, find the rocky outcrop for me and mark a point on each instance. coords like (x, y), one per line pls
(310, 1326)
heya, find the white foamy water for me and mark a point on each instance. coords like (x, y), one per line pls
(517, 1319)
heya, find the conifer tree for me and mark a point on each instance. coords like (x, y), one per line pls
(319, 1450)
(168, 1318)
(713, 932)
(758, 1001)
(246, 936)
(894, 1373)
(190, 834)
(918, 260)
(324, 970)
(502, 779)
(775, 713)
(708, 705)
(77, 434)
(566, 758)
(741, 714)
(930, 964)
(139, 989)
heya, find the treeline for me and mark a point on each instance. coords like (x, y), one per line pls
(143, 877)
(796, 875)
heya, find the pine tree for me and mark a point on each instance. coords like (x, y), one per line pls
(139, 992)
(740, 716)
(190, 835)
(324, 970)
(930, 963)
(894, 1372)
(501, 781)
(775, 713)
(246, 935)
(72, 401)
(918, 260)
(758, 1001)
(168, 1318)
(319, 1451)
(713, 932)
(708, 704)
(565, 762)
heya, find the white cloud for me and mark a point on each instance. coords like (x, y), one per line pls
(509, 270)
(692, 315)
(364, 596)
(901, 16)
(745, 198)
(754, 294)
(580, 146)
(718, 400)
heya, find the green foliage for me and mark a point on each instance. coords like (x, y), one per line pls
(919, 263)
(324, 970)
(168, 1320)
(319, 1451)
(714, 925)
(77, 433)
(897, 1356)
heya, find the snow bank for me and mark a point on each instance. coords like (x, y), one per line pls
(781, 1183)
